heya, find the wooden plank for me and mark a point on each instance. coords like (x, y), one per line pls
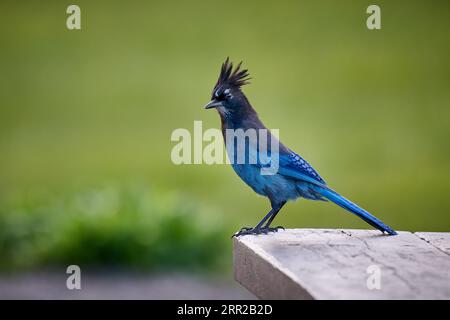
(338, 264)
(440, 240)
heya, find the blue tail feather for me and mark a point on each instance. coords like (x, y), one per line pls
(353, 208)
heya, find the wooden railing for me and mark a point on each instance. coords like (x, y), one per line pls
(344, 264)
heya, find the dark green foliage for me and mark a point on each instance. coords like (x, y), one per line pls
(113, 226)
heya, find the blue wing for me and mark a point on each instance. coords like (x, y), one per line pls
(294, 166)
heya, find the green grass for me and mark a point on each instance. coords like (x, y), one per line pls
(369, 109)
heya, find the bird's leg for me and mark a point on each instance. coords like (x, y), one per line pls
(259, 227)
(255, 230)
(267, 225)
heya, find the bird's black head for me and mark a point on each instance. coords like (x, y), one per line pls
(227, 96)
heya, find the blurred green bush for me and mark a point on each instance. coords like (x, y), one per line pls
(124, 226)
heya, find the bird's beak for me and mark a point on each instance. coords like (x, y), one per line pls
(213, 104)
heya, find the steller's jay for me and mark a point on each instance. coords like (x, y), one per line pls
(295, 178)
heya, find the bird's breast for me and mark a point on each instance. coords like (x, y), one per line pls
(276, 187)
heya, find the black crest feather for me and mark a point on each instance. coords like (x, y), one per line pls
(234, 78)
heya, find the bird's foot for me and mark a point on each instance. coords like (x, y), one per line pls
(263, 230)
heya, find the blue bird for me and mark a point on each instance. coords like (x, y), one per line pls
(294, 178)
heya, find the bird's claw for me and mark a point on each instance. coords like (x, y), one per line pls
(264, 230)
(243, 230)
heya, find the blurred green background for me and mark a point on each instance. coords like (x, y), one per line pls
(86, 118)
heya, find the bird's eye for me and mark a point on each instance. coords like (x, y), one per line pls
(222, 95)
(228, 94)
